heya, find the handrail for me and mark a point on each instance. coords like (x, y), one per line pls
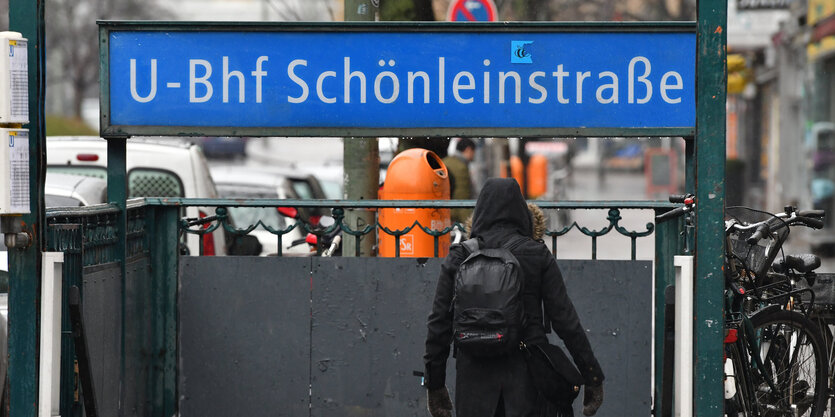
(351, 204)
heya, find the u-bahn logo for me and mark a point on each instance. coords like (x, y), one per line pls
(519, 53)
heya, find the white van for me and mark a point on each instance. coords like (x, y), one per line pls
(156, 167)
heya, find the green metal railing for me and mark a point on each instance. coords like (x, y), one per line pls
(155, 228)
(87, 237)
(91, 232)
(221, 218)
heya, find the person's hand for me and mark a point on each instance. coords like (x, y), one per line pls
(438, 402)
(592, 399)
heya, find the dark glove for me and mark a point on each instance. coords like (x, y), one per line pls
(438, 402)
(592, 399)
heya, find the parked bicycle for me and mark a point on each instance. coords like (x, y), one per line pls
(776, 359)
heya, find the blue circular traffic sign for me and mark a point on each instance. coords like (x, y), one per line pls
(472, 11)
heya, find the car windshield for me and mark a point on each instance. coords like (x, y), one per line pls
(85, 171)
(302, 188)
(244, 217)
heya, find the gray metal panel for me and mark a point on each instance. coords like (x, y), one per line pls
(369, 327)
(367, 334)
(244, 336)
(102, 298)
(137, 336)
(614, 301)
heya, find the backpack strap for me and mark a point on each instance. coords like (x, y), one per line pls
(471, 245)
(514, 242)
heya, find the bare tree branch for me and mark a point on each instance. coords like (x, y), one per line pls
(72, 42)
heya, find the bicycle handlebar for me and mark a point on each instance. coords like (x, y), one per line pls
(811, 222)
(671, 214)
(679, 198)
(763, 229)
(761, 232)
(814, 214)
(686, 199)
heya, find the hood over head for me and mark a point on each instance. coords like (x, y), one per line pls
(537, 216)
(500, 211)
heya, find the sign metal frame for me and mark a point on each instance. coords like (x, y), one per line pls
(112, 130)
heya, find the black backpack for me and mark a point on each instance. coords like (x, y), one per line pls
(487, 306)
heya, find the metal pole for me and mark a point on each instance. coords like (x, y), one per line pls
(710, 196)
(27, 17)
(117, 194)
(666, 247)
(361, 159)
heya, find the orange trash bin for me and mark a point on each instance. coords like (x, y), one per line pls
(415, 174)
(537, 176)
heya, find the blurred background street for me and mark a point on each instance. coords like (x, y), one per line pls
(780, 113)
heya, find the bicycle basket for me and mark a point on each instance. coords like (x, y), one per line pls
(757, 257)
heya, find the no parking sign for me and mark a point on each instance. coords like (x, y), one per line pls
(472, 11)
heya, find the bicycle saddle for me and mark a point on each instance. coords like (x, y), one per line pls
(802, 263)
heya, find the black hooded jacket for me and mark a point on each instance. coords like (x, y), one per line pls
(500, 213)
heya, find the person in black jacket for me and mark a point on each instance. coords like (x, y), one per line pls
(502, 386)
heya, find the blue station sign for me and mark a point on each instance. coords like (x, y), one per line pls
(350, 80)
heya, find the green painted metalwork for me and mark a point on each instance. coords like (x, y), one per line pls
(162, 380)
(87, 236)
(613, 217)
(221, 219)
(356, 25)
(27, 17)
(710, 197)
(117, 195)
(667, 245)
(376, 204)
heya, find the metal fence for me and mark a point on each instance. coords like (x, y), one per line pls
(135, 307)
(339, 207)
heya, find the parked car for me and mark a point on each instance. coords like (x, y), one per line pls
(156, 167)
(67, 190)
(242, 182)
(224, 147)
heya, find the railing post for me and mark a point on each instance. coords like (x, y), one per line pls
(162, 380)
(667, 243)
(710, 202)
(117, 195)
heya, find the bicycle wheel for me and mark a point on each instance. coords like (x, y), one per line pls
(739, 391)
(792, 380)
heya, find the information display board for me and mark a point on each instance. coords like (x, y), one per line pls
(661, 171)
(417, 79)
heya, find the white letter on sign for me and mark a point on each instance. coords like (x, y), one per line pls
(665, 86)
(291, 72)
(642, 79)
(193, 80)
(258, 73)
(133, 92)
(229, 74)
